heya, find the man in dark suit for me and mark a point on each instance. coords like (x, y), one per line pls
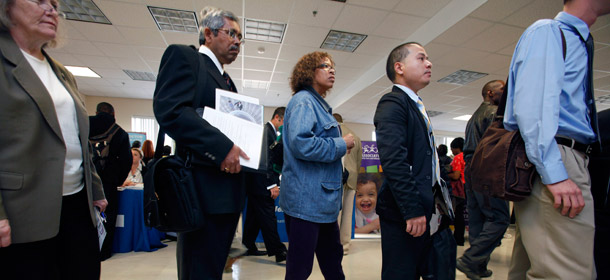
(415, 239)
(115, 168)
(260, 213)
(600, 188)
(187, 83)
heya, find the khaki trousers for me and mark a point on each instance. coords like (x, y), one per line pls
(345, 218)
(547, 244)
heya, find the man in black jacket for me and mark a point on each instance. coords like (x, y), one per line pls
(415, 239)
(600, 188)
(260, 213)
(115, 166)
(187, 83)
(488, 217)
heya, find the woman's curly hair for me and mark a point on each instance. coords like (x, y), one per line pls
(305, 70)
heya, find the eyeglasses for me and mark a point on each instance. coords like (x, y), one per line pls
(47, 7)
(326, 67)
(233, 34)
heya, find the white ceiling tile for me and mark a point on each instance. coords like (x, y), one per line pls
(79, 47)
(67, 31)
(153, 66)
(126, 14)
(462, 31)
(96, 61)
(378, 4)
(110, 73)
(327, 12)
(490, 64)
(143, 37)
(253, 63)
(375, 45)
(495, 38)
(498, 10)
(97, 32)
(280, 78)
(423, 8)
(285, 66)
(116, 50)
(150, 53)
(272, 10)
(293, 53)
(399, 26)
(257, 75)
(303, 35)
(182, 38)
(536, 10)
(359, 19)
(459, 57)
(134, 63)
(251, 49)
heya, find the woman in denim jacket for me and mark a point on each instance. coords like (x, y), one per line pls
(311, 175)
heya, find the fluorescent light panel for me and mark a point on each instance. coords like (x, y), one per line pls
(174, 20)
(257, 84)
(140, 75)
(82, 10)
(463, 118)
(462, 77)
(267, 31)
(342, 41)
(82, 71)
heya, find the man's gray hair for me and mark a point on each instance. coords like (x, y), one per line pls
(213, 18)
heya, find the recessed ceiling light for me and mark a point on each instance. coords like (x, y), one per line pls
(257, 84)
(463, 118)
(462, 77)
(140, 75)
(261, 30)
(82, 10)
(174, 20)
(82, 71)
(342, 41)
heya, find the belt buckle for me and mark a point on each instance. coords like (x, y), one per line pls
(588, 149)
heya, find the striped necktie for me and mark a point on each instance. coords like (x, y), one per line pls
(228, 81)
(435, 168)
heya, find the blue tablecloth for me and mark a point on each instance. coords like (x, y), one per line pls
(131, 234)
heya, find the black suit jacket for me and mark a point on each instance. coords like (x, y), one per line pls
(259, 181)
(119, 152)
(187, 82)
(406, 158)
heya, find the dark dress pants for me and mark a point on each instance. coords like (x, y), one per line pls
(202, 254)
(489, 218)
(306, 238)
(459, 222)
(408, 257)
(260, 215)
(72, 254)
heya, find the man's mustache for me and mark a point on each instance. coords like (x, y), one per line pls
(234, 47)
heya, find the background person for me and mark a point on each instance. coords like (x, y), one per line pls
(148, 151)
(135, 175)
(47, 199)
(351, 163)
(457, 189)
(113, 169)
(311, 175)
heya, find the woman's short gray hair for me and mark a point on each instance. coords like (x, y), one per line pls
(5, 20)
(213, 18)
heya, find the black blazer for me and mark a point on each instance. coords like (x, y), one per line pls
(406, 159)
(187, 82)
(258, 181)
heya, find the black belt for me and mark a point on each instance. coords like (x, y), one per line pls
(574, 145)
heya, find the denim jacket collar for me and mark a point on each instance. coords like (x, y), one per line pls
(319, 98)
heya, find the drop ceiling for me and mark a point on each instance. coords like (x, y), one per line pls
(474, 35)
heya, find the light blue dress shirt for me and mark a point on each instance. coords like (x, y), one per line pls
(546, 96)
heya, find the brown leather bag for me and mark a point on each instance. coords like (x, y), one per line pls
(499, 165)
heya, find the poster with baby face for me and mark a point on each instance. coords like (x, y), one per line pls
(367, 188)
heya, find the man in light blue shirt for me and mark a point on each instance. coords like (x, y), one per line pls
(551, 102)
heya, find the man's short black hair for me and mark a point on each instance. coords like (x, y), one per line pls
(442, 150)
(397, 54)
(279, 112)
(104, 107)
